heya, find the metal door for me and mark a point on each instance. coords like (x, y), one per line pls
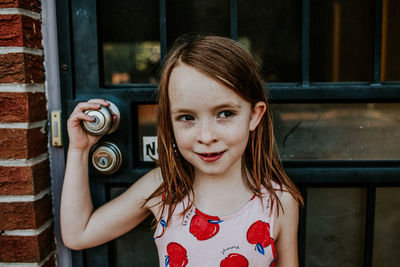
(334, 91)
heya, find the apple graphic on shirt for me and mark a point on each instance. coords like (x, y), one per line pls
(234, 260)
(176, 255)
(204, 226)
(259, 234)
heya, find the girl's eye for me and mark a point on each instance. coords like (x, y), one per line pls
(185, 118)
(226, 114)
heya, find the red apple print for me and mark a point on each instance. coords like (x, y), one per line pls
(176, 255)
(203, 226)
(234, 260)
(259, 234)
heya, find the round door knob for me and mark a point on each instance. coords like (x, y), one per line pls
(103, 120)
(106, 158)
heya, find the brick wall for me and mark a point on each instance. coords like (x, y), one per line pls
(26, 224)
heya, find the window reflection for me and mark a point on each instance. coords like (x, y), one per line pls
(147, 132)
(206, 16)
(130, 38)
(387, 231)
(131, 63)
(390, 67)
(335, 226)
(354, 131)
(341, 40)
(271, 31)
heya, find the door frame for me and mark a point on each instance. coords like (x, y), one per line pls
(51, 50)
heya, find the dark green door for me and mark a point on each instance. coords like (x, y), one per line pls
(332, 75)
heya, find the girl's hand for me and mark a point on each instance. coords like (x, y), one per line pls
(78, 138)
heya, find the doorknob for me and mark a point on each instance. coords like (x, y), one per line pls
(106, 158)
(103, 120)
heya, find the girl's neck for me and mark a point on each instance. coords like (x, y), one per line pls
(232, 178)
(221, 194)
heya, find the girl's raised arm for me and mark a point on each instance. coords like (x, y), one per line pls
(81, 226)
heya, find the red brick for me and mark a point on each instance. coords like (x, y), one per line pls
(22, 143)
(28, 180)
(32, 5)
(19, 30)
(32, 32)
(22, 107)
(26, 248)
(21, 68)
(25, 215)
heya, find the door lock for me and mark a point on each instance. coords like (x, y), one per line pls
(103, 120)
(106, 158)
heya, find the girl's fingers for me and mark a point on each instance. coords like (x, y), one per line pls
(99, 101)
(77, 117)
(83, 106)
(84, 117)
(78, 114)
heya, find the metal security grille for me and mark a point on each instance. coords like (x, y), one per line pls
(82, 77)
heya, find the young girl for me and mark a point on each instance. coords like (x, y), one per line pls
(220, 195)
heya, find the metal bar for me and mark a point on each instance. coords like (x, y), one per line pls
(382, 176)
(394, 163)
(342, 171)
(369, 225)
(333, 93)
(302, 228)
(85, 42)
(63, 13)
(377, 41)
(297, 93)
(234, 20)
(163, 28)
(305, 43)
(344, 175)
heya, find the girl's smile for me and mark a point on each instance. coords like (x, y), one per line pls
(210, 157)
(211, 122)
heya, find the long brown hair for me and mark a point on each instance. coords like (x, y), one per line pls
(226, 61)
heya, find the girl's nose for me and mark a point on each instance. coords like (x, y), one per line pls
(206, 134)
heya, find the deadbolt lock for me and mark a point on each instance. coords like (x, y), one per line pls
(106, 158)
(103, 123)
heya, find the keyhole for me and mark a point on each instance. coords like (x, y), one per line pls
(103, 162)
(96, 121)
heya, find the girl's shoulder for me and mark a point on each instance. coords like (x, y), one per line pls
(287, 200)
(288, 215)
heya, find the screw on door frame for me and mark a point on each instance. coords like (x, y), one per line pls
(64, 67)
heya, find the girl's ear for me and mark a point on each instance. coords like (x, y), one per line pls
(257, 114)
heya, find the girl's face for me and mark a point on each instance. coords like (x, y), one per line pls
(211, 122)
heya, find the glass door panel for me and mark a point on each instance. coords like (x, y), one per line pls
(390, 67)
(335, 226)
(341, 40)
(271, 31)
(135, 248)
(351, 131)
(206, 16)
(130, 41)
(387, 230)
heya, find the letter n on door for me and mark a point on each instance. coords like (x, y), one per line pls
(150, 146)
